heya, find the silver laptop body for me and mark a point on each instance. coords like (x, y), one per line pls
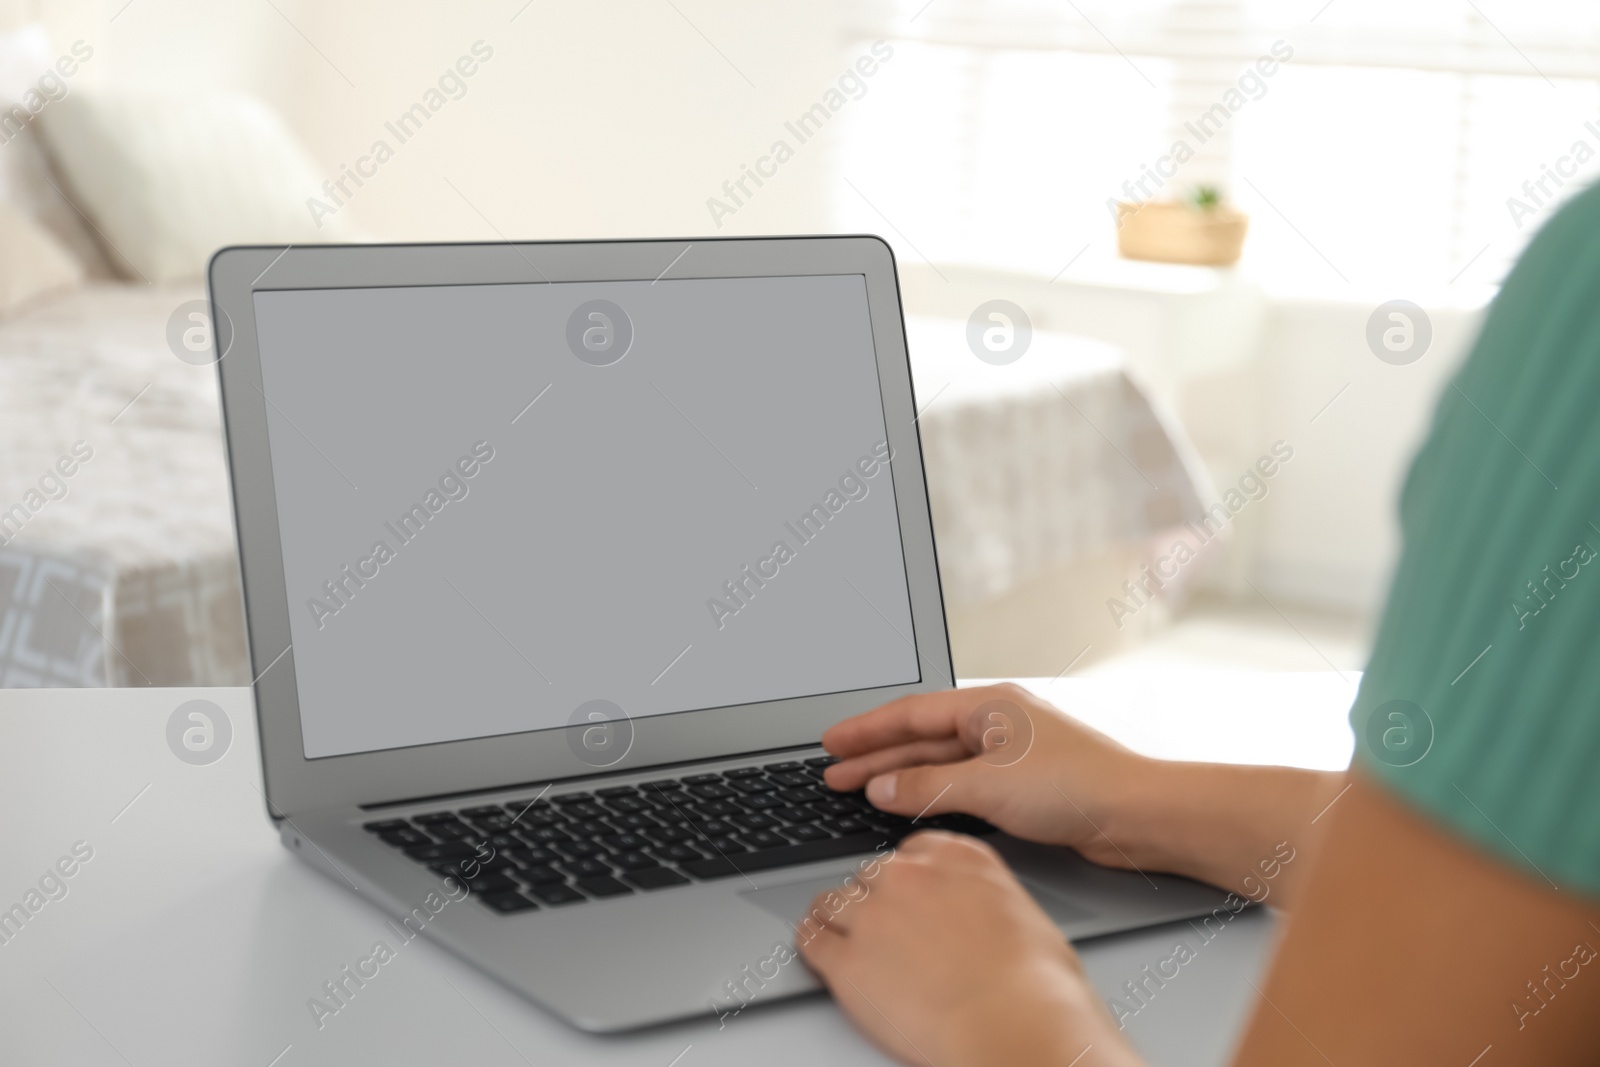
(520, 521)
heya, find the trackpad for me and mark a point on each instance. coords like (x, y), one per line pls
(790, 901)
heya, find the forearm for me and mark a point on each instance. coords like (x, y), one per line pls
(1240, 828)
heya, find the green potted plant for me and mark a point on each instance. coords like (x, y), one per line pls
(1202, 229)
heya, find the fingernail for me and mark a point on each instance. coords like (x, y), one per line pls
(881, 789)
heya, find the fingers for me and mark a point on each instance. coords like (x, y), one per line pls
(949, 850)
(920, 716)
(822, 950)
(969, 786)
(829, 911)
(851, 774)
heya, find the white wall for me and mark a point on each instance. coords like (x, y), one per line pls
(181, 46)
(1328, 534)
(591, 120)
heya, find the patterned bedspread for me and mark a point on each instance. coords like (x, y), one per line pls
(122, 572)
(1040, 462)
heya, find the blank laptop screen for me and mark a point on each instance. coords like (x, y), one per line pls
(500, 503)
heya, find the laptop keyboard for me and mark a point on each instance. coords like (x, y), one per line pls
(572, 847)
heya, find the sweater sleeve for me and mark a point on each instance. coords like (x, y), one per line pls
(1481, 703)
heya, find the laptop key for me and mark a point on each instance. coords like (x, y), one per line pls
(448, 850)
(893, 831)
(508, 903)
(799, 796)
(793, 778)
(546, 835)
(625, 842)
(539, 817)
(788, 856)
(661, 785)
(539, 874)
(386, 824)
(585, 868)
(779, 768)
(822, 761)
(677, 853)
(603, 886)
(797, 814)
(493, 882)
(632, 861)
(758, 839)
(616, 791)
(557, 893)
(718, 808)
(529, 857)
(488, 809)
(627, 805)
(434, 816)
(572, 798)
(757, 821)
(702, 779)
(836, 807)
(761, 802)
(742, 772)
(520, 808)
(673, 813)
(636, 822)
(405, 837)
(669, 835)
(807, 833)
(849, 824)
(754, 785)
(473, 866)
(726, 846)
(715, 828)
(501, 842)
(578, 850)
(450, 831)
(655, 878)
(712, 792)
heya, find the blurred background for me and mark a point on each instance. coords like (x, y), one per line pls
(1176, 272)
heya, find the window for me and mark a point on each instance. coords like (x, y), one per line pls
(1406, 146)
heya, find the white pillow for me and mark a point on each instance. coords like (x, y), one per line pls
(32, 263)
(169, 180)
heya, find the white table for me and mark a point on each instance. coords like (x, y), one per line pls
(192, 937)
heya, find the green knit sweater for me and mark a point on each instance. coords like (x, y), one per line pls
(1481, 704)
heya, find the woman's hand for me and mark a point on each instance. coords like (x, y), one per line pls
(1001, 753)
(947, 960)
(997, 752)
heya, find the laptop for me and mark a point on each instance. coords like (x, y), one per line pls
(558, 559)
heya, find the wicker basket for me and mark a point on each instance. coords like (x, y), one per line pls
(1167, 231)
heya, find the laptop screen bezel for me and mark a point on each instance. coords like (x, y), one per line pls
(296, 783)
